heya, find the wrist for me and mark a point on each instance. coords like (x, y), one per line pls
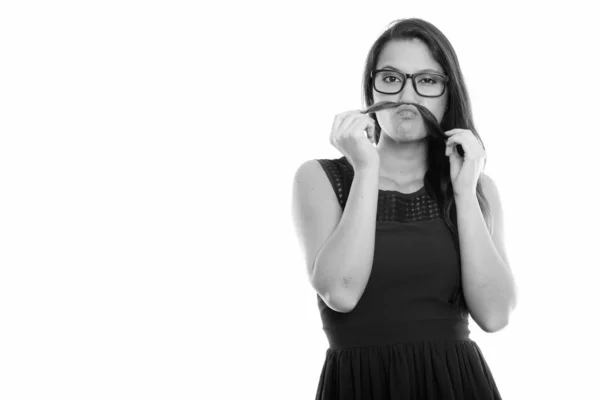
(467, 199)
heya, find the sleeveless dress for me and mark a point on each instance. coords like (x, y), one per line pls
(404, 339)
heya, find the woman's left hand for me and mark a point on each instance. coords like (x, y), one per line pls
(464, 172)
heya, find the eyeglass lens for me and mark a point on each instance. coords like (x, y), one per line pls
(426, 84)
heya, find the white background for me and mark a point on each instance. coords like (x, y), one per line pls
(147, 155)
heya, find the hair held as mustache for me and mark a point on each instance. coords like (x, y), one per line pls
(434, 130)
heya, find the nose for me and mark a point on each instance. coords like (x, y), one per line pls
(408, 93)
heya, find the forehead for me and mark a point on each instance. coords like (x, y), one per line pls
(408, 56)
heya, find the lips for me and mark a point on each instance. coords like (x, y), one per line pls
(407, 107)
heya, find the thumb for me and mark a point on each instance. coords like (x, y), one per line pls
(454, 158)
(371, 133)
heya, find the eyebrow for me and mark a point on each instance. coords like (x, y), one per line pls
(422, 70)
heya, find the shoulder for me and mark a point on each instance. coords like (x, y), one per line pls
(317, 171)
(316, 167)
(328, 177)
(334, 168)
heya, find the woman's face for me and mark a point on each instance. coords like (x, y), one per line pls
(409, 57)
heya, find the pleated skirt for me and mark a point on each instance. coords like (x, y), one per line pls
(423, 369)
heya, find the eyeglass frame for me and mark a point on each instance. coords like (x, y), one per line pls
(411, 77)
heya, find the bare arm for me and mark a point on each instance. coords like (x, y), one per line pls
(343, 253)
(344, 262)
(488, 281)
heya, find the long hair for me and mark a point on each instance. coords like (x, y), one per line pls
(458, 115)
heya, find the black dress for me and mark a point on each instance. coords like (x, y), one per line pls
(404, 339)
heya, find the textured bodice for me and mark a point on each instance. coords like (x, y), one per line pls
(414, 274)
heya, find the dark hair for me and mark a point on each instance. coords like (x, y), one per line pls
(458, 115)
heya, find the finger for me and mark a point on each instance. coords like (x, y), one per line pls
(335, 128)
(456, 139)
(368, 124)
(348, 121)
(453, 151)
(371, 130)
(357, 124)
(454, 131)
(457, 146)
(339, 119)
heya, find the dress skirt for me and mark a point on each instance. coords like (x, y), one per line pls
(441, 369)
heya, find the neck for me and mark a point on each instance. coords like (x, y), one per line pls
(402, 161)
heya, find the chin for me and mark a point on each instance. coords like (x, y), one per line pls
(407, 137)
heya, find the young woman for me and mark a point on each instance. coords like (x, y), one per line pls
(404, 238)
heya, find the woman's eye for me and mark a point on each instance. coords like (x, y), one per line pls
(387, 79)
(428, 81)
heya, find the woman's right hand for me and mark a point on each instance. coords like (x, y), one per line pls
(348, 136)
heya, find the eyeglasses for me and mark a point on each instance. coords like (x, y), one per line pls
(425, 84)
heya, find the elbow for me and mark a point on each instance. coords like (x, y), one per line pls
(497, 320)
(500, 321)
(335, 297)
(346, 307)
(339, 302)
(336, 304)
(493, 328)
(494, 325)
(336, 300)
